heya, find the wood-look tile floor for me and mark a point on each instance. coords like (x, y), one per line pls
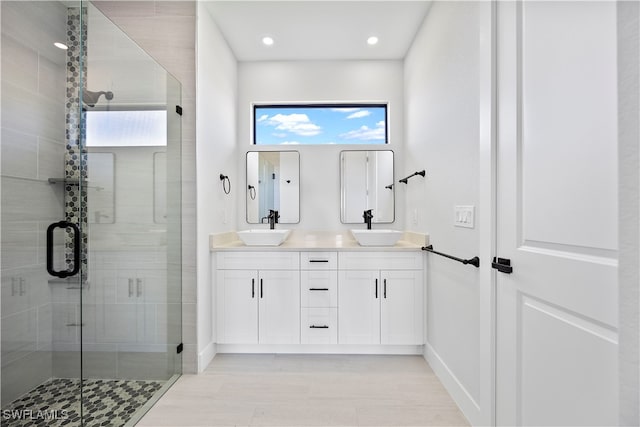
(308, 390)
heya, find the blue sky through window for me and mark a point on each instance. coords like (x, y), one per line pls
(320, 124)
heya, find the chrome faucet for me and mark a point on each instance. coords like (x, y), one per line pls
(368, 216)
(274, 216)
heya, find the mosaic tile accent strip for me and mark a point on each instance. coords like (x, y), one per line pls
(57, 403)
(76, 158)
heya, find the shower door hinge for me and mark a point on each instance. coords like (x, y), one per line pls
(179, 348)
(179, 109)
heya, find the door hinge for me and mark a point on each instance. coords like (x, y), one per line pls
(179, 348)
(503, 265)
(179, 109)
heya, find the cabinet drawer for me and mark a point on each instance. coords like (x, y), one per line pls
(381, 260)
(318, 260)
(319, 326)
(319, 288)
(250, 260)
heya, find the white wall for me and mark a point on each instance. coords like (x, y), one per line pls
(311, 81)
(215, 154)
(629, 210)
(442, 121)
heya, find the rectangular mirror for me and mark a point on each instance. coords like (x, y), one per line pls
(367, 182)
(273, 183)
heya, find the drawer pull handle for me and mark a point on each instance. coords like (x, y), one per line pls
(318, 327)
(318, 289)
(318, 260)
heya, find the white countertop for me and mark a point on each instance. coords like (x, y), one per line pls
(303, 240)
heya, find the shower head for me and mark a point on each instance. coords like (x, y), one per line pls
(91, 98)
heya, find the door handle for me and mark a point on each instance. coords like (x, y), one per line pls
(385, 288)
(376, 288)
(253, 288)
(261, 288)
(318, 260)
(318, 327)
(139, 287)
(503, 265)
(76, 249)
(130, 288)
(318, 289)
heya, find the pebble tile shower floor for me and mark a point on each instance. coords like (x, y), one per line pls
(57, 403)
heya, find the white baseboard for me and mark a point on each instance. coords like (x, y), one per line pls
(206, 356)
(456, 389)
(319, 349)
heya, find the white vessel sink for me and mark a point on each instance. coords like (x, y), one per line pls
(376, 237)
(261, 237)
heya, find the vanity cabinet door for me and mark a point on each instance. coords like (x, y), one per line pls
(401, 307)
(279, 307)
(359, 307)
(237, 306)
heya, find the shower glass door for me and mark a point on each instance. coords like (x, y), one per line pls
(90, 219)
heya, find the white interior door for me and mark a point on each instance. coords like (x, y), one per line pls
(557, 213)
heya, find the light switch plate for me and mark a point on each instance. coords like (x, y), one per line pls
(464, 216)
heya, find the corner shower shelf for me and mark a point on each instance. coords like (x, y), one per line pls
(67, 181)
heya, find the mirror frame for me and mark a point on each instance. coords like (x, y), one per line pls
(246, 208)
(342, 195)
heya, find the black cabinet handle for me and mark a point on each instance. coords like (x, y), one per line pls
(318, 260)
(385, 288)
(76, 249)
(376, 288)
(318, 289)
(318, 327)
(261, 288)
(253, 288)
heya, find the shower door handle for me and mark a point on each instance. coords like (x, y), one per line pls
(76, 249)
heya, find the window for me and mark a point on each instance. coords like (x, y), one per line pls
(126, 128)
(320, 124)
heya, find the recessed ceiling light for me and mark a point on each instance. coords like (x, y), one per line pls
(372, 40)
(267, 41)
(61, 46)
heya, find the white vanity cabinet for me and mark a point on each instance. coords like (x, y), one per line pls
(258, 298)
(320, 300)
(381, 298)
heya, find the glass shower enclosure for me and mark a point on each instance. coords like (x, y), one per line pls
(90, 219)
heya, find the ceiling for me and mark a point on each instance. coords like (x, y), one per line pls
(318, 30)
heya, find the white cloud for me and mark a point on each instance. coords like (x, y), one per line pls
(290, 143)
(364, 133)
(263, 117)
(359, 114)
(344, 110)
(279, 135)
(298, 124)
